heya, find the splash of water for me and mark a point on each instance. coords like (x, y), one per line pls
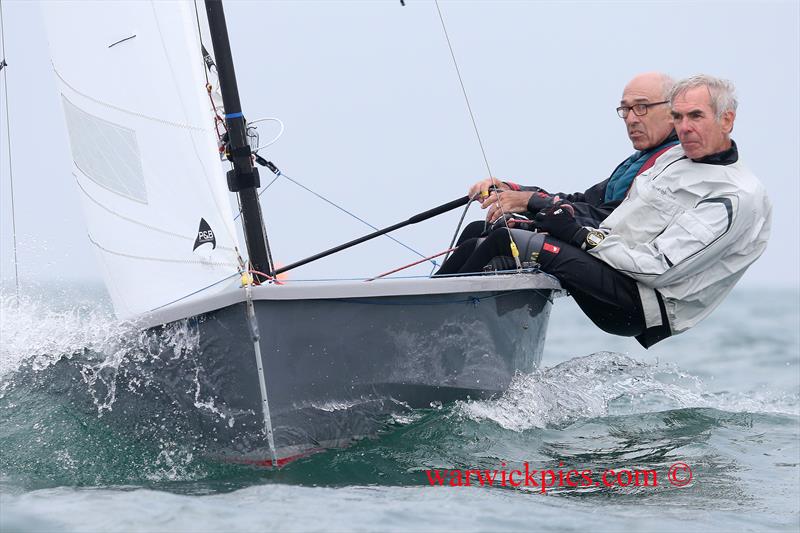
(608, 383)
(34, 333)
(176, 341)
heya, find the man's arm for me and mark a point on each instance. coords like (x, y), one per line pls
(688, 245)
(589, 206)
(594, 195)
(593, 215)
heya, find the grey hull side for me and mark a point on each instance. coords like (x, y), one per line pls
(336, 368)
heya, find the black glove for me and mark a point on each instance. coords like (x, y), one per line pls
(559, 221)
(540, 200)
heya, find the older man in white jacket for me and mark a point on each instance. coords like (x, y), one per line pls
(675, 247)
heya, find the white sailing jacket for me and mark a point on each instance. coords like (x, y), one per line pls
(688, 230)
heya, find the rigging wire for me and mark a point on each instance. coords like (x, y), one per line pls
(455, 234)
(207, 64)
(472, 118)
(200, 37)
(463, 89)
(278, 173)
(514, 251)
(3, 67)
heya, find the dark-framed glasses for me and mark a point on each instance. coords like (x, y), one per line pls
(638, 109)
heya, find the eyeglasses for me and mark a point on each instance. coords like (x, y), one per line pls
(638, 109)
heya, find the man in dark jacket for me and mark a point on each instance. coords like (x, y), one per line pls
(645, 110)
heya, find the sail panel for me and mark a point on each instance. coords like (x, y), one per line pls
(142, 133)
(92, 139)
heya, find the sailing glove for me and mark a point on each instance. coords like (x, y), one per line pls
(541, 200)
(559, 221)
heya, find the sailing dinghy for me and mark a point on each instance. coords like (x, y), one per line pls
(292, 367)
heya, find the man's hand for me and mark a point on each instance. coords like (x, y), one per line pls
(482, 188)
(541, 200)
(511, 202)
(559, 221)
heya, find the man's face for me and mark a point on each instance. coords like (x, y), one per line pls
(699, 131)
(649, 130)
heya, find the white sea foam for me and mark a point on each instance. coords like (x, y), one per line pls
(608, 383)
(179, 339)
(37, 333)
(33, 332)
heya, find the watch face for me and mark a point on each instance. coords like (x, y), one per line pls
(594, 238)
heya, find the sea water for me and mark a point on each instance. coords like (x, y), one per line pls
(721, 401)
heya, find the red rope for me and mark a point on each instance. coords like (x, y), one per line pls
(410, 265)
(269, 278)
(519, 220)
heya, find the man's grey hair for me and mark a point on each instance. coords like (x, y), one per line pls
(722, 92)
(667, 83)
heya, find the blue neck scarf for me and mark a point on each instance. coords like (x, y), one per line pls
(622, 177)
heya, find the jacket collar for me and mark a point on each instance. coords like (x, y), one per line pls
(727, 157)
(671, 139)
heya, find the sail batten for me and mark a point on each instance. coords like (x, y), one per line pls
(137, 114)
(163, 231)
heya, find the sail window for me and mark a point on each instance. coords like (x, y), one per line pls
(105, 152)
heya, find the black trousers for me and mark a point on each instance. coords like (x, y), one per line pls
(611, 300)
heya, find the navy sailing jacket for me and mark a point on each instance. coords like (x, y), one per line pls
(597, 202)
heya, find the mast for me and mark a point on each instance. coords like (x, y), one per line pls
(243, 179)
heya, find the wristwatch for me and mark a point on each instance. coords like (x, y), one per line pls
(593, 238)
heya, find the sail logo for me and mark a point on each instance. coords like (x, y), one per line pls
(205, 235)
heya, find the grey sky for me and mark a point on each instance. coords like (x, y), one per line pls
(375, 119)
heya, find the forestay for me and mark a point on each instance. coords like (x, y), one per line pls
(131, 78)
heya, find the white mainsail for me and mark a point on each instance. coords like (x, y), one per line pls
(141, 126)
